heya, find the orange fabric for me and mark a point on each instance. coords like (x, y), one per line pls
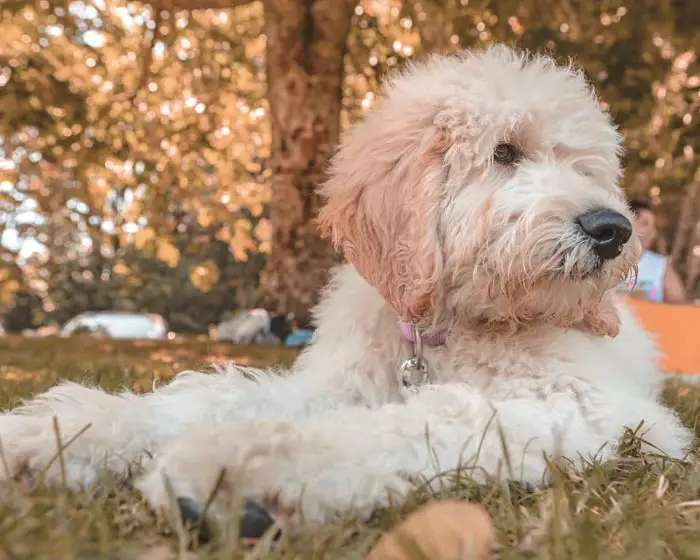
(677, 328)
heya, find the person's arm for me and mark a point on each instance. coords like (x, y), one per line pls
(674, 292)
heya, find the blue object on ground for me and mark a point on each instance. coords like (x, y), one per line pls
(301, 337)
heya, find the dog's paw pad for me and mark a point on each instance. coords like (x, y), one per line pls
(255, 521)
(191, 515)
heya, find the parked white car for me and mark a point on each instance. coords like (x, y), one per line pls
(118, 324)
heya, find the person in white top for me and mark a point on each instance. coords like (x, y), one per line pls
(657, 280)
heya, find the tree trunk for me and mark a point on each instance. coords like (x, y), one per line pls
(306, 41)
(688, 219)
(691, 263)
(690, 228)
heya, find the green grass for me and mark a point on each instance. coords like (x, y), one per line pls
(636, 507)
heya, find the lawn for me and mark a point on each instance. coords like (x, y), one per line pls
(637, 507)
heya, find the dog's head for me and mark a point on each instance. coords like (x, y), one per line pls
(484, 188)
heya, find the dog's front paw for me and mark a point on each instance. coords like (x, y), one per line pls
(278, 472)
(199, 477)
(255, 521)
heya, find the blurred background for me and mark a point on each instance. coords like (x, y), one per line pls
(160, 158)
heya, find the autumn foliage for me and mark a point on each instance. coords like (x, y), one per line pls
(142, 146)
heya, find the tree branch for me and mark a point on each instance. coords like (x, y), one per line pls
(197, 4)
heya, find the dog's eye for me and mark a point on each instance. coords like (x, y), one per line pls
(506, 154)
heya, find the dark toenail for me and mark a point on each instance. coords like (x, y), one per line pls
(191, 515)
(255, 520)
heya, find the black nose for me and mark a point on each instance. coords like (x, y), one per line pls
(608, 230)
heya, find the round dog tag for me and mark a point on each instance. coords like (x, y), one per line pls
(412, 368)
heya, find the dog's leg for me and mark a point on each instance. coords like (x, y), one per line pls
(100, 432)
(356, 460)
(346, 461)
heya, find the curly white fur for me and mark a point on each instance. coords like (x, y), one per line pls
(440, 234)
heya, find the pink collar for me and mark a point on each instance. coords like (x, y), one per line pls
(429, 339)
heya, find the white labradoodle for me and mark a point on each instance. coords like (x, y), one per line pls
(478, 203)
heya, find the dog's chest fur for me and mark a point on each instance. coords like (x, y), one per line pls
(363, 345)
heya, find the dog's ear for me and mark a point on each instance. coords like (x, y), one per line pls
(603, 320)
(382, 205)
